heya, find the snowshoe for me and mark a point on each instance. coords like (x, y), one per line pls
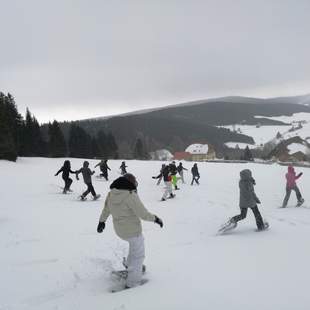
(82, 198)
(266, 227)
(120, 288)
(96, 197)
(229, 225)
(300, 202)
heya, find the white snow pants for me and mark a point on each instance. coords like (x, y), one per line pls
(135, 260)
(168, 189)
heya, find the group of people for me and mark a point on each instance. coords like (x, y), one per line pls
(127, 210)
(168, 173)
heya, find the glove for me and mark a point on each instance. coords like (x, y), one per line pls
(153, 177)
(100, 227)
(300, 174)
(257, 200)
(159, 221)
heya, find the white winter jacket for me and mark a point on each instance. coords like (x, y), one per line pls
(126, 209)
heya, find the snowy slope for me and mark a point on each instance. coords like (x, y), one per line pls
(264, 134)
(52, 257)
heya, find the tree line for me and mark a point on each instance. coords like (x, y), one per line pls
(21, 136)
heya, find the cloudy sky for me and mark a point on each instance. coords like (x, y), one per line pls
(78, 59)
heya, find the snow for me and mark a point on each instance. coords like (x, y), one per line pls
(264, 134)
(297, 147)
(197, 149)
(53, 258)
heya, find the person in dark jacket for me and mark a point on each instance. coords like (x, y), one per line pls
(166, 175)
(180, 169)
(66, 170)
(103, 165)
(87, 173)
(123, 168)
(195, 174)
(160, 177)
(248, 199)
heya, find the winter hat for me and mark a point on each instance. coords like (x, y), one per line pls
(131, 178)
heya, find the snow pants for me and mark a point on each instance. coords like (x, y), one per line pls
(90, 189)
(288, 194)
(195, 178)
(243, 214)
(181, 173)
(68, 183)
(135, 260)
(104, 173)
(168, 189)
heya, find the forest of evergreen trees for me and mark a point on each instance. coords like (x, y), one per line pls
(24, 137)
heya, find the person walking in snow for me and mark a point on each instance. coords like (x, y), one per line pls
(127, 210)
(123, 168)
(247, 199)
(87, 173)
(181, 169)
(160, 174)
(195, 174)
(166, 175)
(104, 168)
(66, 170)
(173, 172)
(291, 185)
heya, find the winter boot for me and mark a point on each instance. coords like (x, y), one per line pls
(172, 195)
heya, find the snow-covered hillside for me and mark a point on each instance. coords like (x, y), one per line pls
(264, 134)
(53, 258)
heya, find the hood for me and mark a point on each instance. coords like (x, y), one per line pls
(85, 164)
(246, 175)
(124, 184)
(290, 169)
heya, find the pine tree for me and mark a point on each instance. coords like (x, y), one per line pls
(247, 154)
(79, 142)
(139, 150)
(102, 144)
(56, 145)
(112, 146)
(8, 148)
(32, 143)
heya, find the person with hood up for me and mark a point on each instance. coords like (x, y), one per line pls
(127, 210)
(247, 199)
(66, 170)
(87, 173)
(123, 168)
(195, 174)
(291, 178)
(166, 175)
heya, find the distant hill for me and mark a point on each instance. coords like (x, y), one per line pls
(175, 127)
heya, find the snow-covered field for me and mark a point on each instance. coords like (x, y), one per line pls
(264, 134)
(53, 258)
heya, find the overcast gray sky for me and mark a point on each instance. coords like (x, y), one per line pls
(78, 59)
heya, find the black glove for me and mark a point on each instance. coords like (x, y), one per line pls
(159, 221)
(257, 200)
(100, 227)
(300, 174)
(153, 177)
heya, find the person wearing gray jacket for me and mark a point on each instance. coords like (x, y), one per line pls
(248, 199)
(127, 211)
(87, 173)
